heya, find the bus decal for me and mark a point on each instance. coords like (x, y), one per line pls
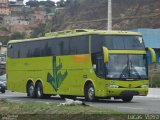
(58, 77)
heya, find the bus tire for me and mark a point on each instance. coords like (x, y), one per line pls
(3, 91)
(127, 98)
(90, 92)
(39, 90)
(30, 90)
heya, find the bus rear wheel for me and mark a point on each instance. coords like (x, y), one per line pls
(30, 90)
(127, 98)
(39, 90)
(3, 91)
(90, 92)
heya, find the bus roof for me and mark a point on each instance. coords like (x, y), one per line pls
(76, 32)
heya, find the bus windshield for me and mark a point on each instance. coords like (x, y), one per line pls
(126, 67)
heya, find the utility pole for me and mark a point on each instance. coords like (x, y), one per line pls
(109, 14)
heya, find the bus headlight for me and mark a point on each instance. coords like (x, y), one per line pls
(112, 86)
(144, 86)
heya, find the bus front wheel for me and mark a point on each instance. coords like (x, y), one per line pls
(127, 98)
(90, 92)
(30, 90)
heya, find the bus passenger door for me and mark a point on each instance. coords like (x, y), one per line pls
(100, 71)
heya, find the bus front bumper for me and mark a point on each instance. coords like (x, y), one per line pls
(119, 92)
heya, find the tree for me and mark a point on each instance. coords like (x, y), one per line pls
(39, 31)
(4, 39)
(68, 2)
(72, 6)
(32, 3)
(60, 3)
(42, 2)
(17, 35)
(48, 10)
(3, 28)
(49, 3)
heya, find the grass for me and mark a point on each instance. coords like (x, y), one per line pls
(48, 110)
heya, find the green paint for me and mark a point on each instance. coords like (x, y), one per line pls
(113, 82)
(57, 78)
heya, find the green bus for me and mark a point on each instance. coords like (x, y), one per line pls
(90, 63)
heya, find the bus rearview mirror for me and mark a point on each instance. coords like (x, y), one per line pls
(153, 54)
(105, 54)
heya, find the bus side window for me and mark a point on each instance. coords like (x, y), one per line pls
(79, 45)
(63, 45)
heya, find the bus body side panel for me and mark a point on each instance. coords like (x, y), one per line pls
(19, 71)
(59, 75)
(73, 68)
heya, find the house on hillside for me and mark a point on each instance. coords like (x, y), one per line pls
(15, 20)
(4, 9)
(151, 39)
(16, 6)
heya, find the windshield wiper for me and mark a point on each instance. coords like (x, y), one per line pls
(126, 71)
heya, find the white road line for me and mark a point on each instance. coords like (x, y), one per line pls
(148, 98)
(130, 108)
(154, 96)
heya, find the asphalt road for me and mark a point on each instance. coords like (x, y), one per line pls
(142, 105)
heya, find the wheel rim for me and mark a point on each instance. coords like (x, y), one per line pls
(31, 90)
(39, 92)
(91, 93)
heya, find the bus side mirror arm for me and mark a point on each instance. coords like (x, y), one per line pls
(105, 54)
(153, 54)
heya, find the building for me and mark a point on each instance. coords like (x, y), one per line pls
(15, 20)
(16, 6)
(4, 8)
(151, 39)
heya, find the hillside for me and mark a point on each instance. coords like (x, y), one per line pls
(127, 14)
